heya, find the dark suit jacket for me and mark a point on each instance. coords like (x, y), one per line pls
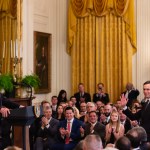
(75, 131)
(132, 96)
(9, 104)
(99, 129)
(127, 125)
(103, 99)
(87, 97)
(49, 132)
(143, 115)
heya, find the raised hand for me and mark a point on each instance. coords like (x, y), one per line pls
(123, 100)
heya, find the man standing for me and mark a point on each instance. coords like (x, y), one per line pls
(69, 131)
(144, 113)
(82, 96)
(5, 106)
(131, 94)
(101, 95)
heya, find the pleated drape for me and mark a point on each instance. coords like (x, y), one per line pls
(10, 31)
(101, 42)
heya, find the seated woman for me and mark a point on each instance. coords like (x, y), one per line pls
(60, 113)
(114, 129)
(62, 96)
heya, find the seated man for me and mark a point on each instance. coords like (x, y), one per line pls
(69, 131)
(90, 106)
(92, 142)
(36, 125)
(47, 131)
(93, 126)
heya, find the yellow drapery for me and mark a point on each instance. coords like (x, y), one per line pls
(101, 42)
(10, 31)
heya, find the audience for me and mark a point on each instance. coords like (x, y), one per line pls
(106, 116)
(47, 131)
(123, 143)
(81, 96)
(101, 95)
(63, 126)
(92, 142)
(80, 145)
(36, 124)
(54, 102)
(90, 106)
(69, 131)
(114, 129)
(134, 138)
(131, 93)
(143, 115)
(60, 113)
(94, 127)
(62, 96)
(125, 121)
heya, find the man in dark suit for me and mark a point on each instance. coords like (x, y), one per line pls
(93, 126)
(131, 94)
(54, 105)
(125, 121)
(81, 96)
(101, 95)
(144, 113)
(69, 131)
(36, 125)
(47, 131)
(5, 106)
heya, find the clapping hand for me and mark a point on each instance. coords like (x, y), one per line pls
(81, 130)
(44, 121)
(62, 131)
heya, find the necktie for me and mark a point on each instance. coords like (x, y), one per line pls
(147, 103)
(68, 128)
(92, 128)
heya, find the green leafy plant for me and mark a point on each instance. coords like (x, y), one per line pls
(32, 80)
(6, 82)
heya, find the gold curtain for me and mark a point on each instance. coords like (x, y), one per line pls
(10, 31)
(101, 42)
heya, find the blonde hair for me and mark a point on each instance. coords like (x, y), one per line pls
(118, 121)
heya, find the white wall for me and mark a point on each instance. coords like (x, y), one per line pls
(50, 16)
(143, 44)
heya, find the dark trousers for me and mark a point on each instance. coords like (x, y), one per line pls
(5, 131)
(62, 146)
(43, 144)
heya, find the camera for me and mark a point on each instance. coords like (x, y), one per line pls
(100, 88)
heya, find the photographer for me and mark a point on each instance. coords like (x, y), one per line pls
(101, 95)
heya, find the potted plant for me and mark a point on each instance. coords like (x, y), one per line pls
(31, 80)
(6, 83)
